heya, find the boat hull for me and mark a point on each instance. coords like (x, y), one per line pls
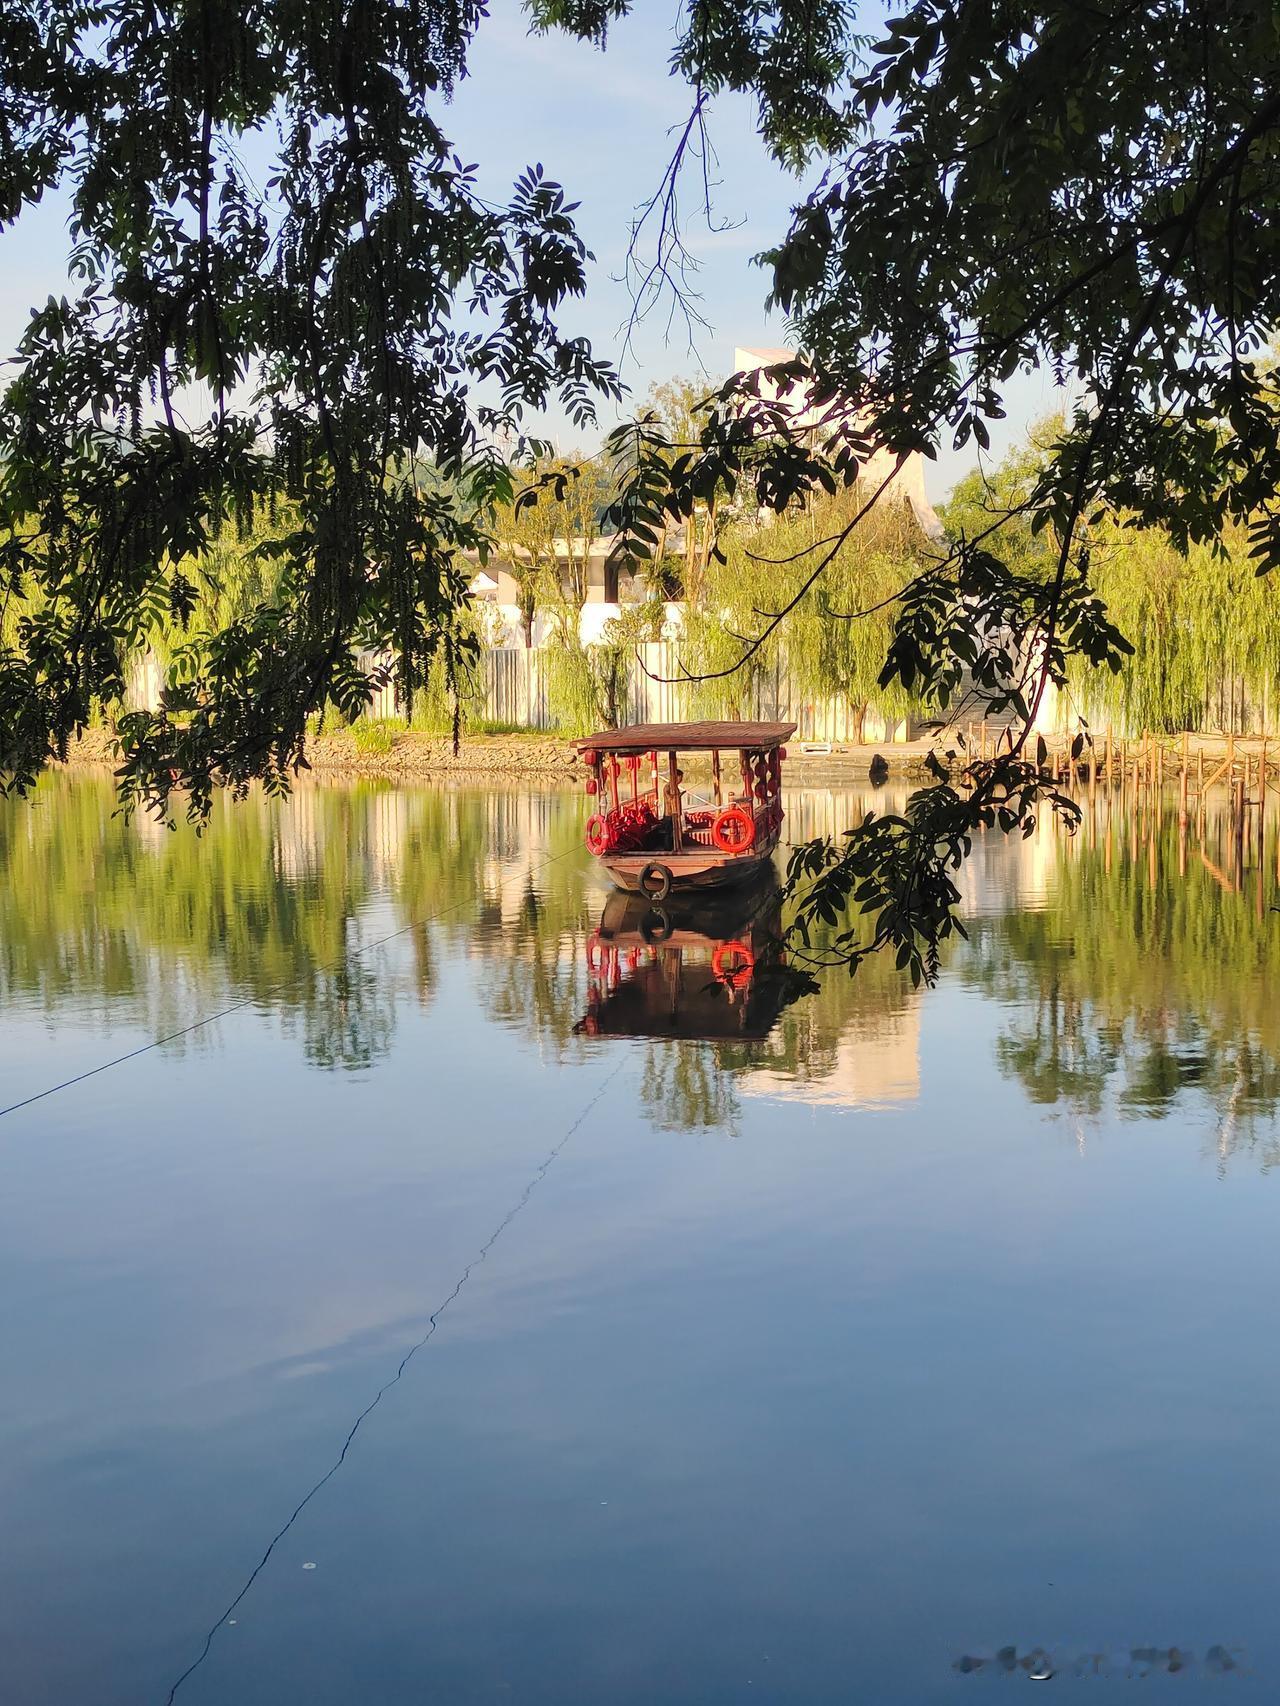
(695, 868)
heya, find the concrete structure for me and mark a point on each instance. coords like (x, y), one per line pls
(907, 483)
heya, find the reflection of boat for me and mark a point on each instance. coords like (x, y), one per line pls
(650, 835)
(704, 968)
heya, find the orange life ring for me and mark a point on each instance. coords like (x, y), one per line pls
(598, 836)
(734, 830)
(733, 963)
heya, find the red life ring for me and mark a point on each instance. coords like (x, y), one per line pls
(734, 830)
(733, 963)
(598, 837)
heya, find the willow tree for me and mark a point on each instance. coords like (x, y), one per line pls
(830, 646)
(1203, 627)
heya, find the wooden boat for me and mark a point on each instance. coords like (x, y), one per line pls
(698, 968)
(649, 829)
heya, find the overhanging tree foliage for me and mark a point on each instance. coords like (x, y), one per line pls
(309, 329)
(1035, 182)
(998, 187)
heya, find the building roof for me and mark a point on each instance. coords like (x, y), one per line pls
(687, 737)
(762, 357)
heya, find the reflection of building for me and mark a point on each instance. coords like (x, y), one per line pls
(1007, 873)
(877, 1064)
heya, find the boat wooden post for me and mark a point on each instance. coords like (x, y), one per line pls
(715, 777)
(674, 801)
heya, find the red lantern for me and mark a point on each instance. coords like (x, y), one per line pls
(593, 787)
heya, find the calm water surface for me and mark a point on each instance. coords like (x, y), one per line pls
(788, 1366)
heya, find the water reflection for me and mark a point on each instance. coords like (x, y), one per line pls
(706, 970)
(1132, 963)
(1143, 977)
(713, 1420)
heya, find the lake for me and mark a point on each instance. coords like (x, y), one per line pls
(449, 1320)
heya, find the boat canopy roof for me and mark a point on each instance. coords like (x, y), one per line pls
(689, 737)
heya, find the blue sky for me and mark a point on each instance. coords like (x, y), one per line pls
(601, 124)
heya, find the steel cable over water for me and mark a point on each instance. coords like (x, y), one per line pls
(250, 1000)
(539, 1174)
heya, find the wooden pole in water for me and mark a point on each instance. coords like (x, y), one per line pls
(1239, 825)
(1183, 780)
(1108, 752)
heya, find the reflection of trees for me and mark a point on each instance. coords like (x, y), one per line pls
(351, 1020)
(131, 919)
(1147, 981)
(688, 1087)
(1149, 977)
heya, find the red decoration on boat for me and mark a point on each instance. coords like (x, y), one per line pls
(686, 829)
